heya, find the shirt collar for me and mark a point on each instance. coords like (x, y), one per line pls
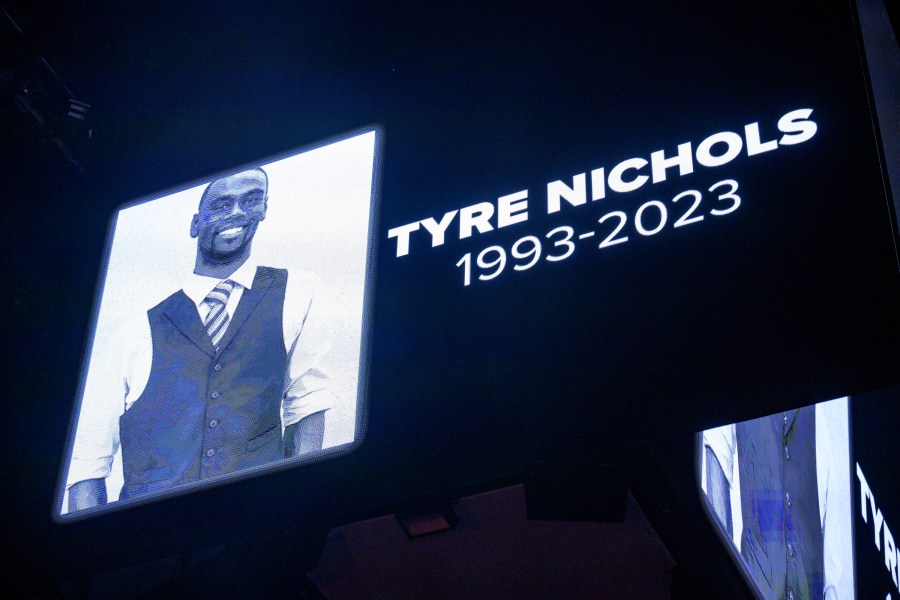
(197, 287)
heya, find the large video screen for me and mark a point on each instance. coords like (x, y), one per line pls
(612, 235)
(803, 499)
(779, 488)
(231, 329)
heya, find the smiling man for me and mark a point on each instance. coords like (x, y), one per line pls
(223, 375)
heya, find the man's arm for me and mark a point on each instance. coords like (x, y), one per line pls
(307, 392)
(87, 494)
(832, 449)
(122, 361)
(306, 435)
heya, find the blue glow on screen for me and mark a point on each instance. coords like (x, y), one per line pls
(778, 489)
(230, 330)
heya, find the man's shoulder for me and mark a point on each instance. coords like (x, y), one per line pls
(296, 279)
(133, 336)
(300, 289)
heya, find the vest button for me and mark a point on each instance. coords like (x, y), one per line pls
(213, 423)
(218, 367)
(215, 395)
(211, 452)
(787, 453)
(787, 498)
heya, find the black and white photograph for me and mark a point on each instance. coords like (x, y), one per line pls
(779, 489)
(229, 333)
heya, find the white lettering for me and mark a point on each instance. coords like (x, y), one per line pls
(733, 142)
(598, 184)
(627, 176)
(864, 493)
(402, 235)
(754, 147)
(890, 553)
(477, 216)
(575, 195)
(796, 127)
(659, 163)
(617, 184)
(512, 209)
(436, 229)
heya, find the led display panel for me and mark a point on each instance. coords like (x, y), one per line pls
(611, 241)
(876, 493)
(614, 234)
(779, 490)
(230, 332)
(803, 498)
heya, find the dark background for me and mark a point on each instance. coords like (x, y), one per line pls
(610, 357)
(873, 452)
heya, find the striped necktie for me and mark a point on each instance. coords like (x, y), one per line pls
(217, 320)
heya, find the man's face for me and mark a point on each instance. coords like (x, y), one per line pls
(229, 214)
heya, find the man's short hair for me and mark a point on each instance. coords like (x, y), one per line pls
(210, 184)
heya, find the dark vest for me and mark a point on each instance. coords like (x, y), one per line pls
(205, 413)
(782, 539)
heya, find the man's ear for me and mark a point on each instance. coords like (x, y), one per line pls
(265, 207)
(195, 226)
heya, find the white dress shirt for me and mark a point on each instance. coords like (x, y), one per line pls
(305, 383)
